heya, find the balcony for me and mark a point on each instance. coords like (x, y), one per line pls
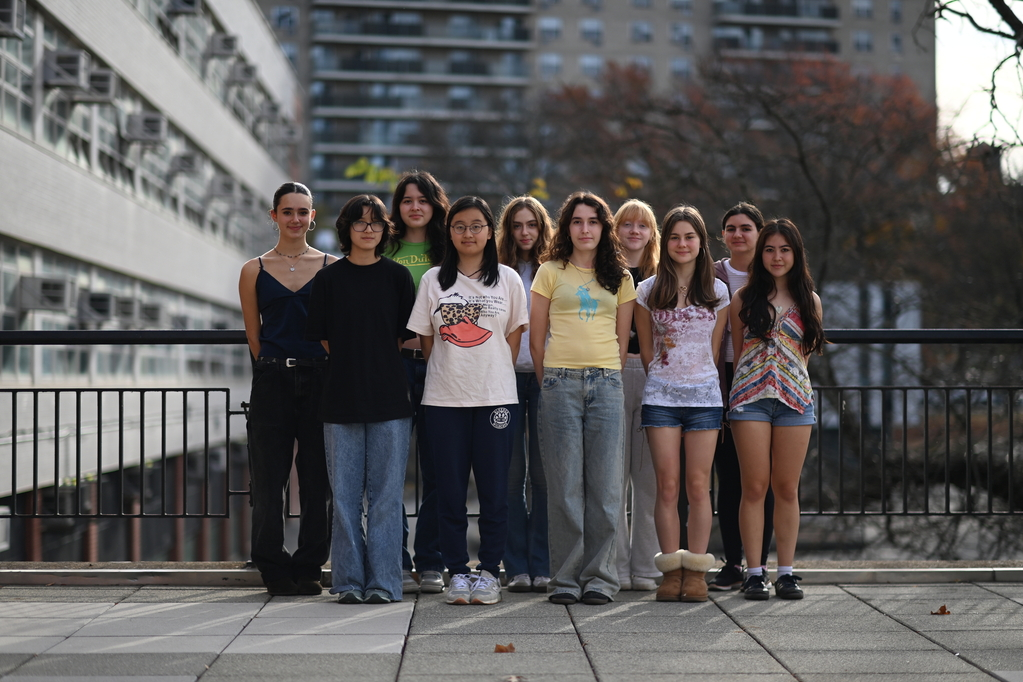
(471, 71)
(771, 47)
(775, 13)
(425, 34)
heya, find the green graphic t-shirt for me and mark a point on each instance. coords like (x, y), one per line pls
(414, 257)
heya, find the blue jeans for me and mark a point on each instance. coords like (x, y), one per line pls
(526, 550)
(427, 542)
(367, 460)
(476, 439)
(581, 424)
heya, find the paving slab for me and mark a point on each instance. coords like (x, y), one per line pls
(27, 644)
(995, 659)
(689, 661)
(41, 627)
(307, 666)
(511, 605)
(962, 640)
(484, 644)
(892, 662)
(900, 677)
(924, 607)
(696, 641)
(850, 606)
(822, 640)
(533, 677)
(113, 665)
(69, 595)
(317, 644)
(526, 664)
(386, 624)
(331, 609)
(802, 624)
(492, 626)
(698, 677)
(104, 678)
(668, 625)
(178, 644)
(43, 609)
(946, 589)
(11, 660)
(148, 619)
(964, 621)
(1011, 590)
(164, 594)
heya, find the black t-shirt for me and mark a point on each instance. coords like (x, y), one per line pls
(633, 337)
(361, 311)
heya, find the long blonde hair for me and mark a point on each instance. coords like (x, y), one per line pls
(640, 210)
(507, 249)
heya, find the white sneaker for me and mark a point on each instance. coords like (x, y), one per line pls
(431, 582)
(408, 583)
(624, 584)
(540, 583)
(486, 589)
(460, 588)
(520, 583)
(643, 584)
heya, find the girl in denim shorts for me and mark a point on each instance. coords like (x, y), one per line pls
(680, 321)
(776, 325)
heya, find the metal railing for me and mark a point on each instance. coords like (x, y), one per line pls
(876, 450)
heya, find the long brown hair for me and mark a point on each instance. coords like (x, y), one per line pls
(634, 209)
(507, 249)
(757, 314)
(664, 292)
(609, 265)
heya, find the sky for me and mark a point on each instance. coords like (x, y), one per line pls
(965, 59)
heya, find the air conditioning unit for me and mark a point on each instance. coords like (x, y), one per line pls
(242, 73)
(126, 308)
(95, 306)
(102, 87)
(147, 127)
(222, 45)
(183, 7)
(12, 19)
(151, 315)
(66, 69)
(47, 293)
(222, 186)
(188, 163)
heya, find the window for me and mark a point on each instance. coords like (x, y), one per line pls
(550, 28)
(592, 30)
(681, 68)
(897, 43)
(641, 31)
(290, 51)
(550, 65)
(895, 8)
(863, 9)
(681, 34)
(642, 62)
(863, 41)
(683, 6)
(284, 19)
(645, 4)
(594, 4)
(591, 65)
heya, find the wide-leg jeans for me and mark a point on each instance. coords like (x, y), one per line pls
(581, 424)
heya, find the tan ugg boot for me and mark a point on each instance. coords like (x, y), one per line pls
(670, 588)
(694, 575)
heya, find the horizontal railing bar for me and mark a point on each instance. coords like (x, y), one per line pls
(73, 337)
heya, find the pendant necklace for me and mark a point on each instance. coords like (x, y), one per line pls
(297, 255)
(578, 271)
(471, 275)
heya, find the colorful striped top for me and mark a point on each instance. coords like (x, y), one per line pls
(774, 368)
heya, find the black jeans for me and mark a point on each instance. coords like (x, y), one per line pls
(283, 406)
(726, 462)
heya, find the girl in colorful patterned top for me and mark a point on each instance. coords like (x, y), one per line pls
(776, 325)
(680, 321)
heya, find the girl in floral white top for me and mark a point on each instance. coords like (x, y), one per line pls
(680, 321)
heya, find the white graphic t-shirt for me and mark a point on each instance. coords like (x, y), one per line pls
(682, 372)
(471, 363)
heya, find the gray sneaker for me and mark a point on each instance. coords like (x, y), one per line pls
(431, 582)
(520, 583)
(408, 583)
(460, 588)
(486, 589)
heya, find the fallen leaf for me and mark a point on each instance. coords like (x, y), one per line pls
(942, 611)
(502, 649)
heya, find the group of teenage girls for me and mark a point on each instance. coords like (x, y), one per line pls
(532, 353)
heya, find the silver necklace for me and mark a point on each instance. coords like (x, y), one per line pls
(297, 255)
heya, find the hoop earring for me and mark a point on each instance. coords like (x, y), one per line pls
(312, 226)
(275, 228)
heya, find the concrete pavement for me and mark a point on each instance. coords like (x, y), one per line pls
(875, 632)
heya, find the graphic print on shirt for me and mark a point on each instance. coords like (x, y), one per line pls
(587, 304)
(461, 318)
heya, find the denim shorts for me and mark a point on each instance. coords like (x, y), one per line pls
(774, 411)
(688, 418)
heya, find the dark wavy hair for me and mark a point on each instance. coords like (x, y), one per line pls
(610, 264)
(489, 275)
(747, 209)
(290, 188)
(757, 313)
(507, 249)
(436, 197)
(353, 211)
(664, 293)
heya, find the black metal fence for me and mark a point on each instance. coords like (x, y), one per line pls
(112, 452)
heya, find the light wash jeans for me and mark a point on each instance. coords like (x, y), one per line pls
(581, 424)
(367, 460)
(637, 545)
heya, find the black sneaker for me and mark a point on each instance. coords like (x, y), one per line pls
(755, 589)
(785, 587)
(728, 578)
(594, 598)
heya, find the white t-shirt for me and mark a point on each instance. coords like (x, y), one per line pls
(682, 372)
(471, 363)
(736, 280)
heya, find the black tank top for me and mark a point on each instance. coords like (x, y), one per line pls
(284, 313)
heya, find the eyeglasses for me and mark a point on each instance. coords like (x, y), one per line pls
(475, 228)
(361, 225)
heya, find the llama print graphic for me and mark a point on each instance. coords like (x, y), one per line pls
(460, 318)
(587, 304)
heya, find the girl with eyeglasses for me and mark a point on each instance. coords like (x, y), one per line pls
(470, 314)
(365, 407)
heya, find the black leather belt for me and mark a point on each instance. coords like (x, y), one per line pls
(413, 353)
(292, 362)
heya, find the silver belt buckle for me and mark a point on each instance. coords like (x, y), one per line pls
(291, 362)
